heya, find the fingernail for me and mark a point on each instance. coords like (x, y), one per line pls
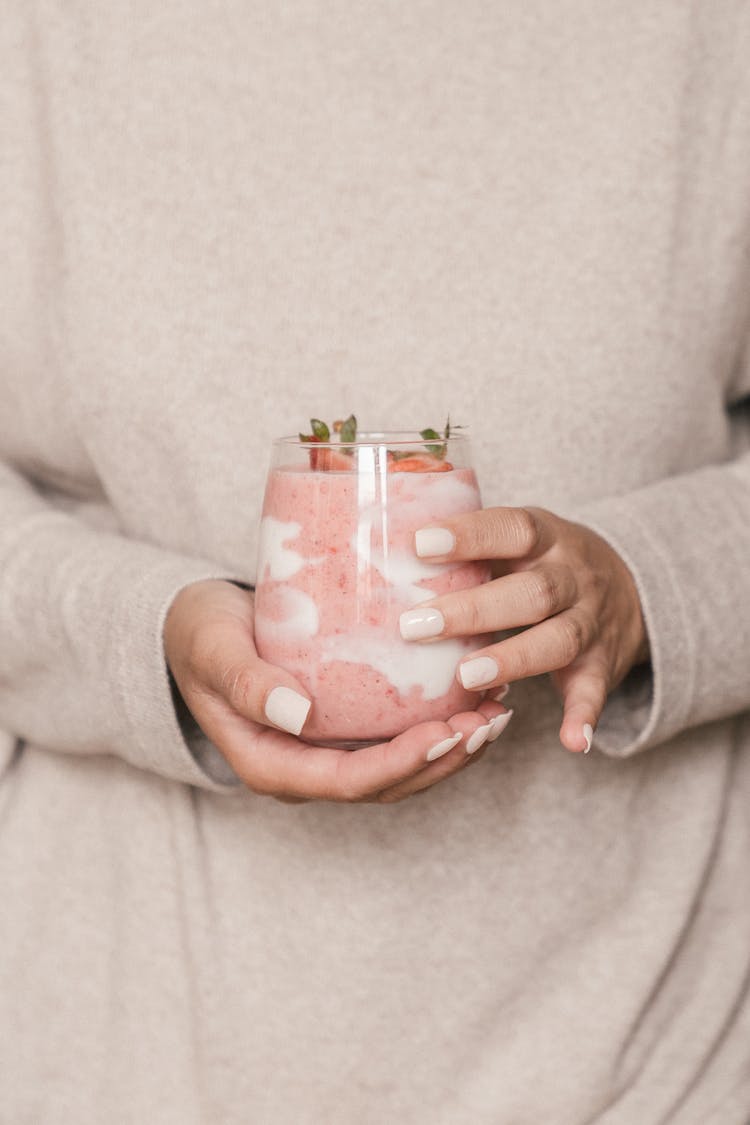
(588, 734)
(478, 738)
(443, 747)
(478, 672)
(416, 624)
(498, 725)
(287, 709)
(430, 541)
(501, 693)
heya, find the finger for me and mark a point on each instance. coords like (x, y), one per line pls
(275, 764)
(229, 665)
(584, 690)
(553, 644)
(479, 728)
(498, 722)
(522, 598)
(471, 727)
(493, 533)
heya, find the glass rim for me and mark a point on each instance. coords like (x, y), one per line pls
(374, 438)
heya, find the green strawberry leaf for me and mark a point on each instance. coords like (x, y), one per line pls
(433, 436)
(348, 431)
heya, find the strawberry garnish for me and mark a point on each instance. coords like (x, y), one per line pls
(431, 461)
(329, 458)
(419, 463)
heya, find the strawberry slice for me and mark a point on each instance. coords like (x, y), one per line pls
(329, 460)
(419, 463)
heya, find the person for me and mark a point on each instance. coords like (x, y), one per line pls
(220, 220)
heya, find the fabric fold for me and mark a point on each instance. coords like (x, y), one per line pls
(83, 614)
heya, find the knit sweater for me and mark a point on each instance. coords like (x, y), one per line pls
(220, 218)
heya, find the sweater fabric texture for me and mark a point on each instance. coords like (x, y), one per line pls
(221, 218)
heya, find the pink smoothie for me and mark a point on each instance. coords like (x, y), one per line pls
(336, 568)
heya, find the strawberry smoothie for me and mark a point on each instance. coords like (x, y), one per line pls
(336, 568)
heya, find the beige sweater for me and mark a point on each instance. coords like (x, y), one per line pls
(218, 218)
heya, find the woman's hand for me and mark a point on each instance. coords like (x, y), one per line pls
(252, 712)
(559, 578)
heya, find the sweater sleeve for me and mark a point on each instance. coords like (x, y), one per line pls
(82, 665)
(686, 541)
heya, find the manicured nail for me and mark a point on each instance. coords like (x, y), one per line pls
(478, 672)
(501, 693)
(478, 738)
(287, 709)
(430, 541)
(443, 747)
(416, 624)
(498, 724)
(588, 734)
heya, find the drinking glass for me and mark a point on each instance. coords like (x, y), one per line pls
(337, 566)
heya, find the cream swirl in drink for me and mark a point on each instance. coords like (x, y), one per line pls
(337, 567)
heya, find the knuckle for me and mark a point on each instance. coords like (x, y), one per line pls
(486, 533)
(544, 589)
(522, 664)
(598, 581)
(497, 532)
(525, 530)
(465, 613)
(572, 637)
(238, 684)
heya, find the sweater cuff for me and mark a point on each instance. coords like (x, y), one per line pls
(653, 703)
(158, 740)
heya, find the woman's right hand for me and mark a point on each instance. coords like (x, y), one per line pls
(252, 712)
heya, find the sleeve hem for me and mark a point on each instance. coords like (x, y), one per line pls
(653, 703)
(143, 690)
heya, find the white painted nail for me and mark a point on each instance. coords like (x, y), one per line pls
(588, 734)
(478, 738)
(430, 541)
(499, 723)
(287, 709)
(443, 747)
(501, 693)
(416, 624)
(478, 672)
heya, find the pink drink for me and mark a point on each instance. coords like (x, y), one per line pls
(336, 568)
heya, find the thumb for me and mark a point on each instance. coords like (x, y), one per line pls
(232, 669)
(583, 686)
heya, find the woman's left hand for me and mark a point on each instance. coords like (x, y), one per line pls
(564, 582)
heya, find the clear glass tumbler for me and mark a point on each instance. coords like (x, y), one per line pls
(337, 566)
